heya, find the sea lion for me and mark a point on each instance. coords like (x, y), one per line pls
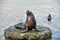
(30, 22)
(49, 17)
(20, 26)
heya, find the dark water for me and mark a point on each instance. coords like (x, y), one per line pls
(13, 12)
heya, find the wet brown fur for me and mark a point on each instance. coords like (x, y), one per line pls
(30, 20)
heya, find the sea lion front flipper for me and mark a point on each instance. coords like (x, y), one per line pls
(36, 29)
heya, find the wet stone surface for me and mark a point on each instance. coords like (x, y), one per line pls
(12, 33)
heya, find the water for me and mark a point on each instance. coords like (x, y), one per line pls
(13, 12)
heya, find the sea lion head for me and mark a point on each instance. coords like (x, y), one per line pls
(49, 14)
(28, 12)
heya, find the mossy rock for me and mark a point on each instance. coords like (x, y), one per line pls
(12, 33)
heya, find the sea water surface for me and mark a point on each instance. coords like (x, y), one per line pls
(14, 11)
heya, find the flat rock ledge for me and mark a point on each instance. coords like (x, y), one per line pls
(12, 33)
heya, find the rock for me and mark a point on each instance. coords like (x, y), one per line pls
(12, 33)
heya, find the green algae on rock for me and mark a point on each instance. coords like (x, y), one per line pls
(12, 33)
